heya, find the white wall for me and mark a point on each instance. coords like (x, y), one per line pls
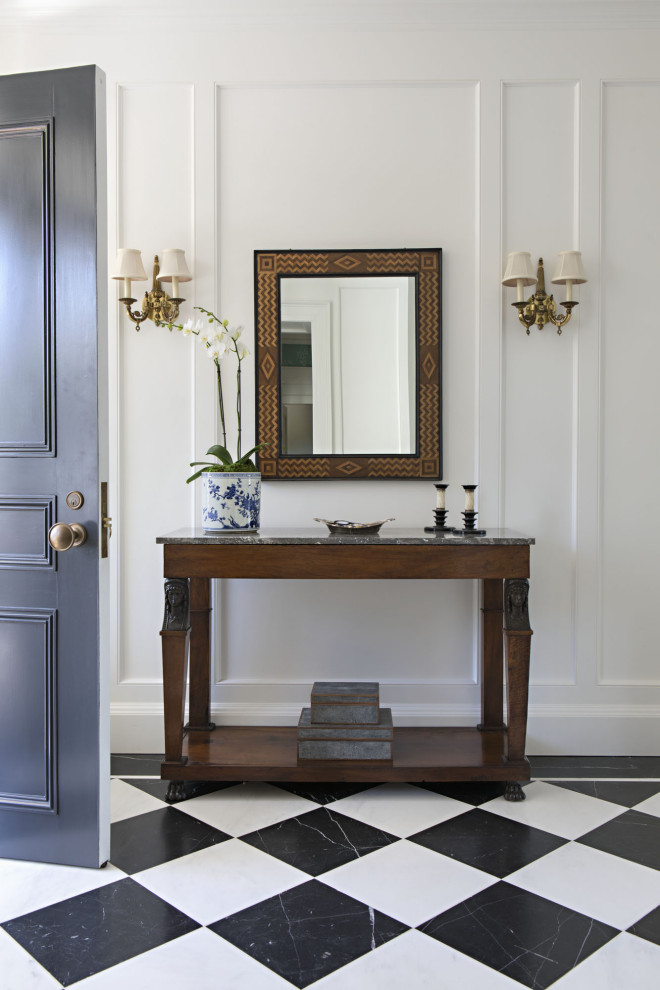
(469, 127)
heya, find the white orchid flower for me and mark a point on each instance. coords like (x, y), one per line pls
(235, 334)
(186, 329)
(216, 347)
(241, 350)
(200, 325)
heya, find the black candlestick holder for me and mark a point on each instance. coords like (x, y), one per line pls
(440, 516)
(469, 516)
(469, 519)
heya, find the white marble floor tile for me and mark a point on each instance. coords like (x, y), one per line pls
(210, 884)
(19, 971)
(27, 886)
(651, 806)
(127, 801)
(557, 810)
(400, 808)
(414, 961)
(625, 963)
(593, 882)
(246, 808)
(200, 960)
(408, 882)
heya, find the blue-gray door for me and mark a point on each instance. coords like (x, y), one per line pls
(52, 418)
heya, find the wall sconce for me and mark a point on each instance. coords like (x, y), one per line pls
(541, 308)
(156, 305)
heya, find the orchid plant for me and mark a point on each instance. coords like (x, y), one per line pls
(218, 340)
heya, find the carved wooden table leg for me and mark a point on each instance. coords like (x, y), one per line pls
(518, 640)
(492, 655)
(175, 636)
(200, 658)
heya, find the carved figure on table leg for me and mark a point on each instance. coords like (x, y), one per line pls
(177, 605)
(516, 595)
(513, 791)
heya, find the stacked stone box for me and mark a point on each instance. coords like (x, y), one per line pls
(345, 702)
(345, 722)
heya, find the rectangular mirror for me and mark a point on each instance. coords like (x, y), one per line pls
(349, 363)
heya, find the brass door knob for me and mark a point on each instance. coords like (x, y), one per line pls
(63, 536)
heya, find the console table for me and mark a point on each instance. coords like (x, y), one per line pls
(490, 751)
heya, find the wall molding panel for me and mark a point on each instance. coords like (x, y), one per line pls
(540, 370)
(629, 474)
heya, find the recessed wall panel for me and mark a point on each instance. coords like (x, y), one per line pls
(364, 166)
(24, 524)
(155, 211)
(25, 313)
(630, 357)
(540, 166)
(27, 683)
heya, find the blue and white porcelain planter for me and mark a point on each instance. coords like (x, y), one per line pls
(231, 500)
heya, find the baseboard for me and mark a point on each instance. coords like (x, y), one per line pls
(553, 730)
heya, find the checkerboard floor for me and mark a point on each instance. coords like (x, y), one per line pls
(352, 887)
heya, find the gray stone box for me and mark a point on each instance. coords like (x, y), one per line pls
(312, 730)
(317, 749)
(345, 702)
(345, 742)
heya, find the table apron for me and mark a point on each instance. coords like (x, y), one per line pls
(343, 562)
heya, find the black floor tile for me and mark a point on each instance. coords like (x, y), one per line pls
(648, 927)
(308, 931)
(595, 766)
(158, 836)
(633, 835)
(477, 792)
(324, 793)
(524, 936)
(625, 792)
(129, 764)
(319, 840)
(86, 934)
(488, 842)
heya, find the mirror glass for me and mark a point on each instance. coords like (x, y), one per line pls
(348, 371)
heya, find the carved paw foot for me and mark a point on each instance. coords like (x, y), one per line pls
(175, 792)
(513, 791)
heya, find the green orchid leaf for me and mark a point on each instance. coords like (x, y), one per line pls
(217, 450)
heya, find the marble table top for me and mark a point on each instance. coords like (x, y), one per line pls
(318, 535)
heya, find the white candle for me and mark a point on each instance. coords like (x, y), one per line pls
(440, 498)
(175, 287)
(520, 283)
(469, 501)
(127, 288)
(569, 290)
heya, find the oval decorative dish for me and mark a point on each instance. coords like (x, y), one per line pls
(338, 526)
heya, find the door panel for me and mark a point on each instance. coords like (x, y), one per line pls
(27, 709)
(25, 398)
(52, 419)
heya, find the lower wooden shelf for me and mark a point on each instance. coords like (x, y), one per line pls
(419, 754)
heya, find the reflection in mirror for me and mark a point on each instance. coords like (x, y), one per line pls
(347, 358)
(348, 363)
